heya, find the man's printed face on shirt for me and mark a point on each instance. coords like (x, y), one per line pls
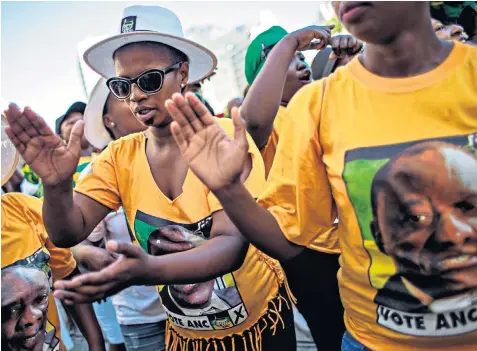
(172, 239)
(426, 214)
(25, 294)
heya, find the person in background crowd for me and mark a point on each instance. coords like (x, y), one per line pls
(450, 31)
(461, 13)
(329, 154)
(196, 88)
(138, 309)
(31, 263)
(145, 174)
(266, 116)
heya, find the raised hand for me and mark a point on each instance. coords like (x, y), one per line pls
(44, 151)
(312, 37)
(216, 159)
(131, 268)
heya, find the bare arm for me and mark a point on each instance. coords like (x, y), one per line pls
(84, 316)
(70, 218)
(263, 99)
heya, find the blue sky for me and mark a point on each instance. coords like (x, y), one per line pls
(39, 65)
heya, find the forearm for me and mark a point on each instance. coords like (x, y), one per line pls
(85, 318)
(63, 220)
(263, 99)
(218, 256)
(256, 224)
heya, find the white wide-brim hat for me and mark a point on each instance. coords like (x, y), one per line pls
(156, 24)
(94, 129)
(10, 156)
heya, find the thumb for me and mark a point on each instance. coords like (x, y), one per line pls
(240, 133)
(74, 145)
(126, 249)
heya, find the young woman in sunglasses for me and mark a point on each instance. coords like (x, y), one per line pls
(220, 292)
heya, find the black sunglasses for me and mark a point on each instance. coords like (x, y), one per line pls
(150, 82)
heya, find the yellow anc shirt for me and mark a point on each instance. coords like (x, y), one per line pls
(30, 265)
(395, 160)
(269, 150)
(234, 302)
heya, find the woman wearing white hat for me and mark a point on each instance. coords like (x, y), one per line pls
(218, 290)
(138, 309)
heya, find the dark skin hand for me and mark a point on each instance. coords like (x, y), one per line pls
(85, 318)
(268, 90)
(135, 267)
(205, 146)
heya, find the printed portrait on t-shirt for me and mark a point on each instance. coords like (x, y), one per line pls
(26, 296)
(210, 305)
(417, 210)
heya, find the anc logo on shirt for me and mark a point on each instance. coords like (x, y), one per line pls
(416, 204)
(212, 305)
(26, 288)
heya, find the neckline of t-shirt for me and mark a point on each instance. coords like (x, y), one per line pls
(456, 57)
(151, 177)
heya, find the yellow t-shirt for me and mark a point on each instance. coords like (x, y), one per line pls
(396, 160)
(269, 150)
(30, 265)
(224, 306)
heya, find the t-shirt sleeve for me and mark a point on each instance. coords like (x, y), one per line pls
(62, 262)
(298, 193)
(99, 180)
(255, 182)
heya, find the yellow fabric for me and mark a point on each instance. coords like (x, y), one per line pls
(269, 150)
(324, 168)
(121, 176)
(25, 243)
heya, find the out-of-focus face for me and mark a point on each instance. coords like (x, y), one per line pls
(449, 32)
(25, 294)
(298, 75)
(377, 22)
(427, 218)
(134, 59)
(174, 238)
(120, 119)
(67, 127)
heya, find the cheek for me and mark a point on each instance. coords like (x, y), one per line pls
(8, 329)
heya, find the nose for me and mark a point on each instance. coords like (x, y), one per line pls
(136, 93)
(31, 316)
(454, 231)
(456, 30)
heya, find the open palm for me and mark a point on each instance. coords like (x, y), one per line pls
(44, 151)
(215, 158)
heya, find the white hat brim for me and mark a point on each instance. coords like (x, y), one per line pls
(99, 57)
(94, 128)
(10, 155)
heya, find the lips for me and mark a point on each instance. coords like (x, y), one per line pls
(457, 262)
(305, 77)
(145, 114)
(351, 10)
(31, 341)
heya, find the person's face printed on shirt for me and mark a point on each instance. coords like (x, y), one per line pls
(174, 238)
(25, 294)
(426, 217)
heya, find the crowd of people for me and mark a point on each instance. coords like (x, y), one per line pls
(309, 215)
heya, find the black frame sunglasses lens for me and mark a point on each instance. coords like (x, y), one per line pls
(150, 82)
(120, 88)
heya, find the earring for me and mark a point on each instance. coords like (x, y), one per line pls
(113, 124)
(183, 85)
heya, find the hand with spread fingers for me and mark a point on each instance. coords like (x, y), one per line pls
(344, 46)
(44, 151)
(130, 268)
(217, 160)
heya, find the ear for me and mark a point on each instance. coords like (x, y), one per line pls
(378, 238)
(184, 74)
(108, 121)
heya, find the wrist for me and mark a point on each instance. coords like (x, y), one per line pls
(229, 192)
(291, 42)
(64, 186)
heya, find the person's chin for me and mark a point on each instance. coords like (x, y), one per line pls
(34, 343)
(192, 295)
